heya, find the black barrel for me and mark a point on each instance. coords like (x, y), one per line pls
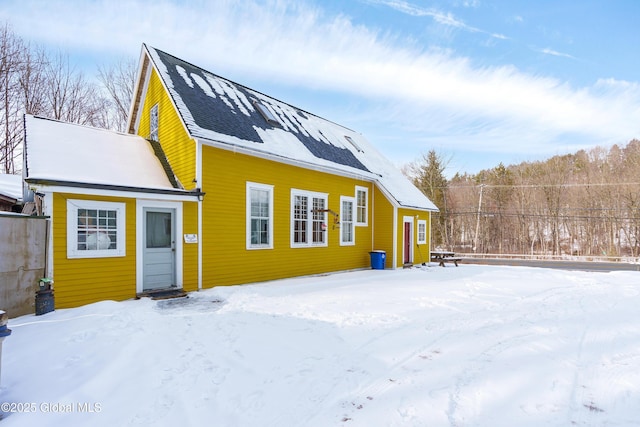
(44, 301)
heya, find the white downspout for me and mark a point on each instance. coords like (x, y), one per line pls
(372, 210)
(430, 237)
(199, 184)
(47, 210)
(395, 237)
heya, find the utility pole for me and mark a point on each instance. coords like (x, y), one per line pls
(475, 241)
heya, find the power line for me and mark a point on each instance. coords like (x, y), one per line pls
(473, 210)
(598, 184)
(560, 216)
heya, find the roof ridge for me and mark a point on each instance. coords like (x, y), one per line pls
(51, 119)
(251, 89)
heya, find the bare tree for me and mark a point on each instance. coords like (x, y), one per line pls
(12, 52)
(462, 197)
(32, 81)
(119, 81)
(586, 203)
(69, 96)
(499, 197)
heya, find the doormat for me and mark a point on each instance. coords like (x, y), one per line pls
(164, 294)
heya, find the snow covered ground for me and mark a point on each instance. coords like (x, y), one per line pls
(467, 346)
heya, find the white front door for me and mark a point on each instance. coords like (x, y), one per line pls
(159, 248)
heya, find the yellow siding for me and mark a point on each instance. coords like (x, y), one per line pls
(420, 253)
(80, 281)
(226, 259)
(83, 281)
(190, 251)
(383, 225)
(383, 234)
(179, 148)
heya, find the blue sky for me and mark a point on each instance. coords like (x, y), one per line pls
(479, 81)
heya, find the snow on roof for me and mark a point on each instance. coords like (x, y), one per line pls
(219, 110)
(69, 152)
(11, 186)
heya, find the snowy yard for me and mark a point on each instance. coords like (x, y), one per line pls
(467, 346)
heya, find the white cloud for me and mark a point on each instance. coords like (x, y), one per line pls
(433, 95)
(499, 36)
(443, 18)
(549, 51)
(468, 3)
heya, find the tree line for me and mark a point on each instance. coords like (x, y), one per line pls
(38, 82)
(583, 204)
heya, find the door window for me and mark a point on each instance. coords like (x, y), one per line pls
(158, 230)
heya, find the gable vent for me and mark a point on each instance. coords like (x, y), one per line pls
(266, 113)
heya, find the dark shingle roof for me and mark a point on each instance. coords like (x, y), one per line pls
(211, 104)
(218, 111)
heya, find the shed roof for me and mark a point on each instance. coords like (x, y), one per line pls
(220, 111)
(69, 153)
(11, 187)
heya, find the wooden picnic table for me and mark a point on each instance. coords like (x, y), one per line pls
(444, 256)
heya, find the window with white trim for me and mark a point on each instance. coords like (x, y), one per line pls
(259, 216)
(347, 224)
(153, 123)
(95, 229)
(308, 218)
(362, 204)
(422, 232)
(319, 220)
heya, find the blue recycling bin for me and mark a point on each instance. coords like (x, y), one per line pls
(377, 259)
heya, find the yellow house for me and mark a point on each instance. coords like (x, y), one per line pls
(247, 188)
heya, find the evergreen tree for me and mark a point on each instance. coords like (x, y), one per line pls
(431, 181)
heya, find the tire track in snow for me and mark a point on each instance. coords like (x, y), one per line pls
(597, 378)
(465, 403)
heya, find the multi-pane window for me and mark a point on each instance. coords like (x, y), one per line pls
(361, 205)
(347, 225)
(308, 218)
(318, 220)
(95, 229)
(153, 123)
(422, 231)
(259, 216)
(300, 219)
